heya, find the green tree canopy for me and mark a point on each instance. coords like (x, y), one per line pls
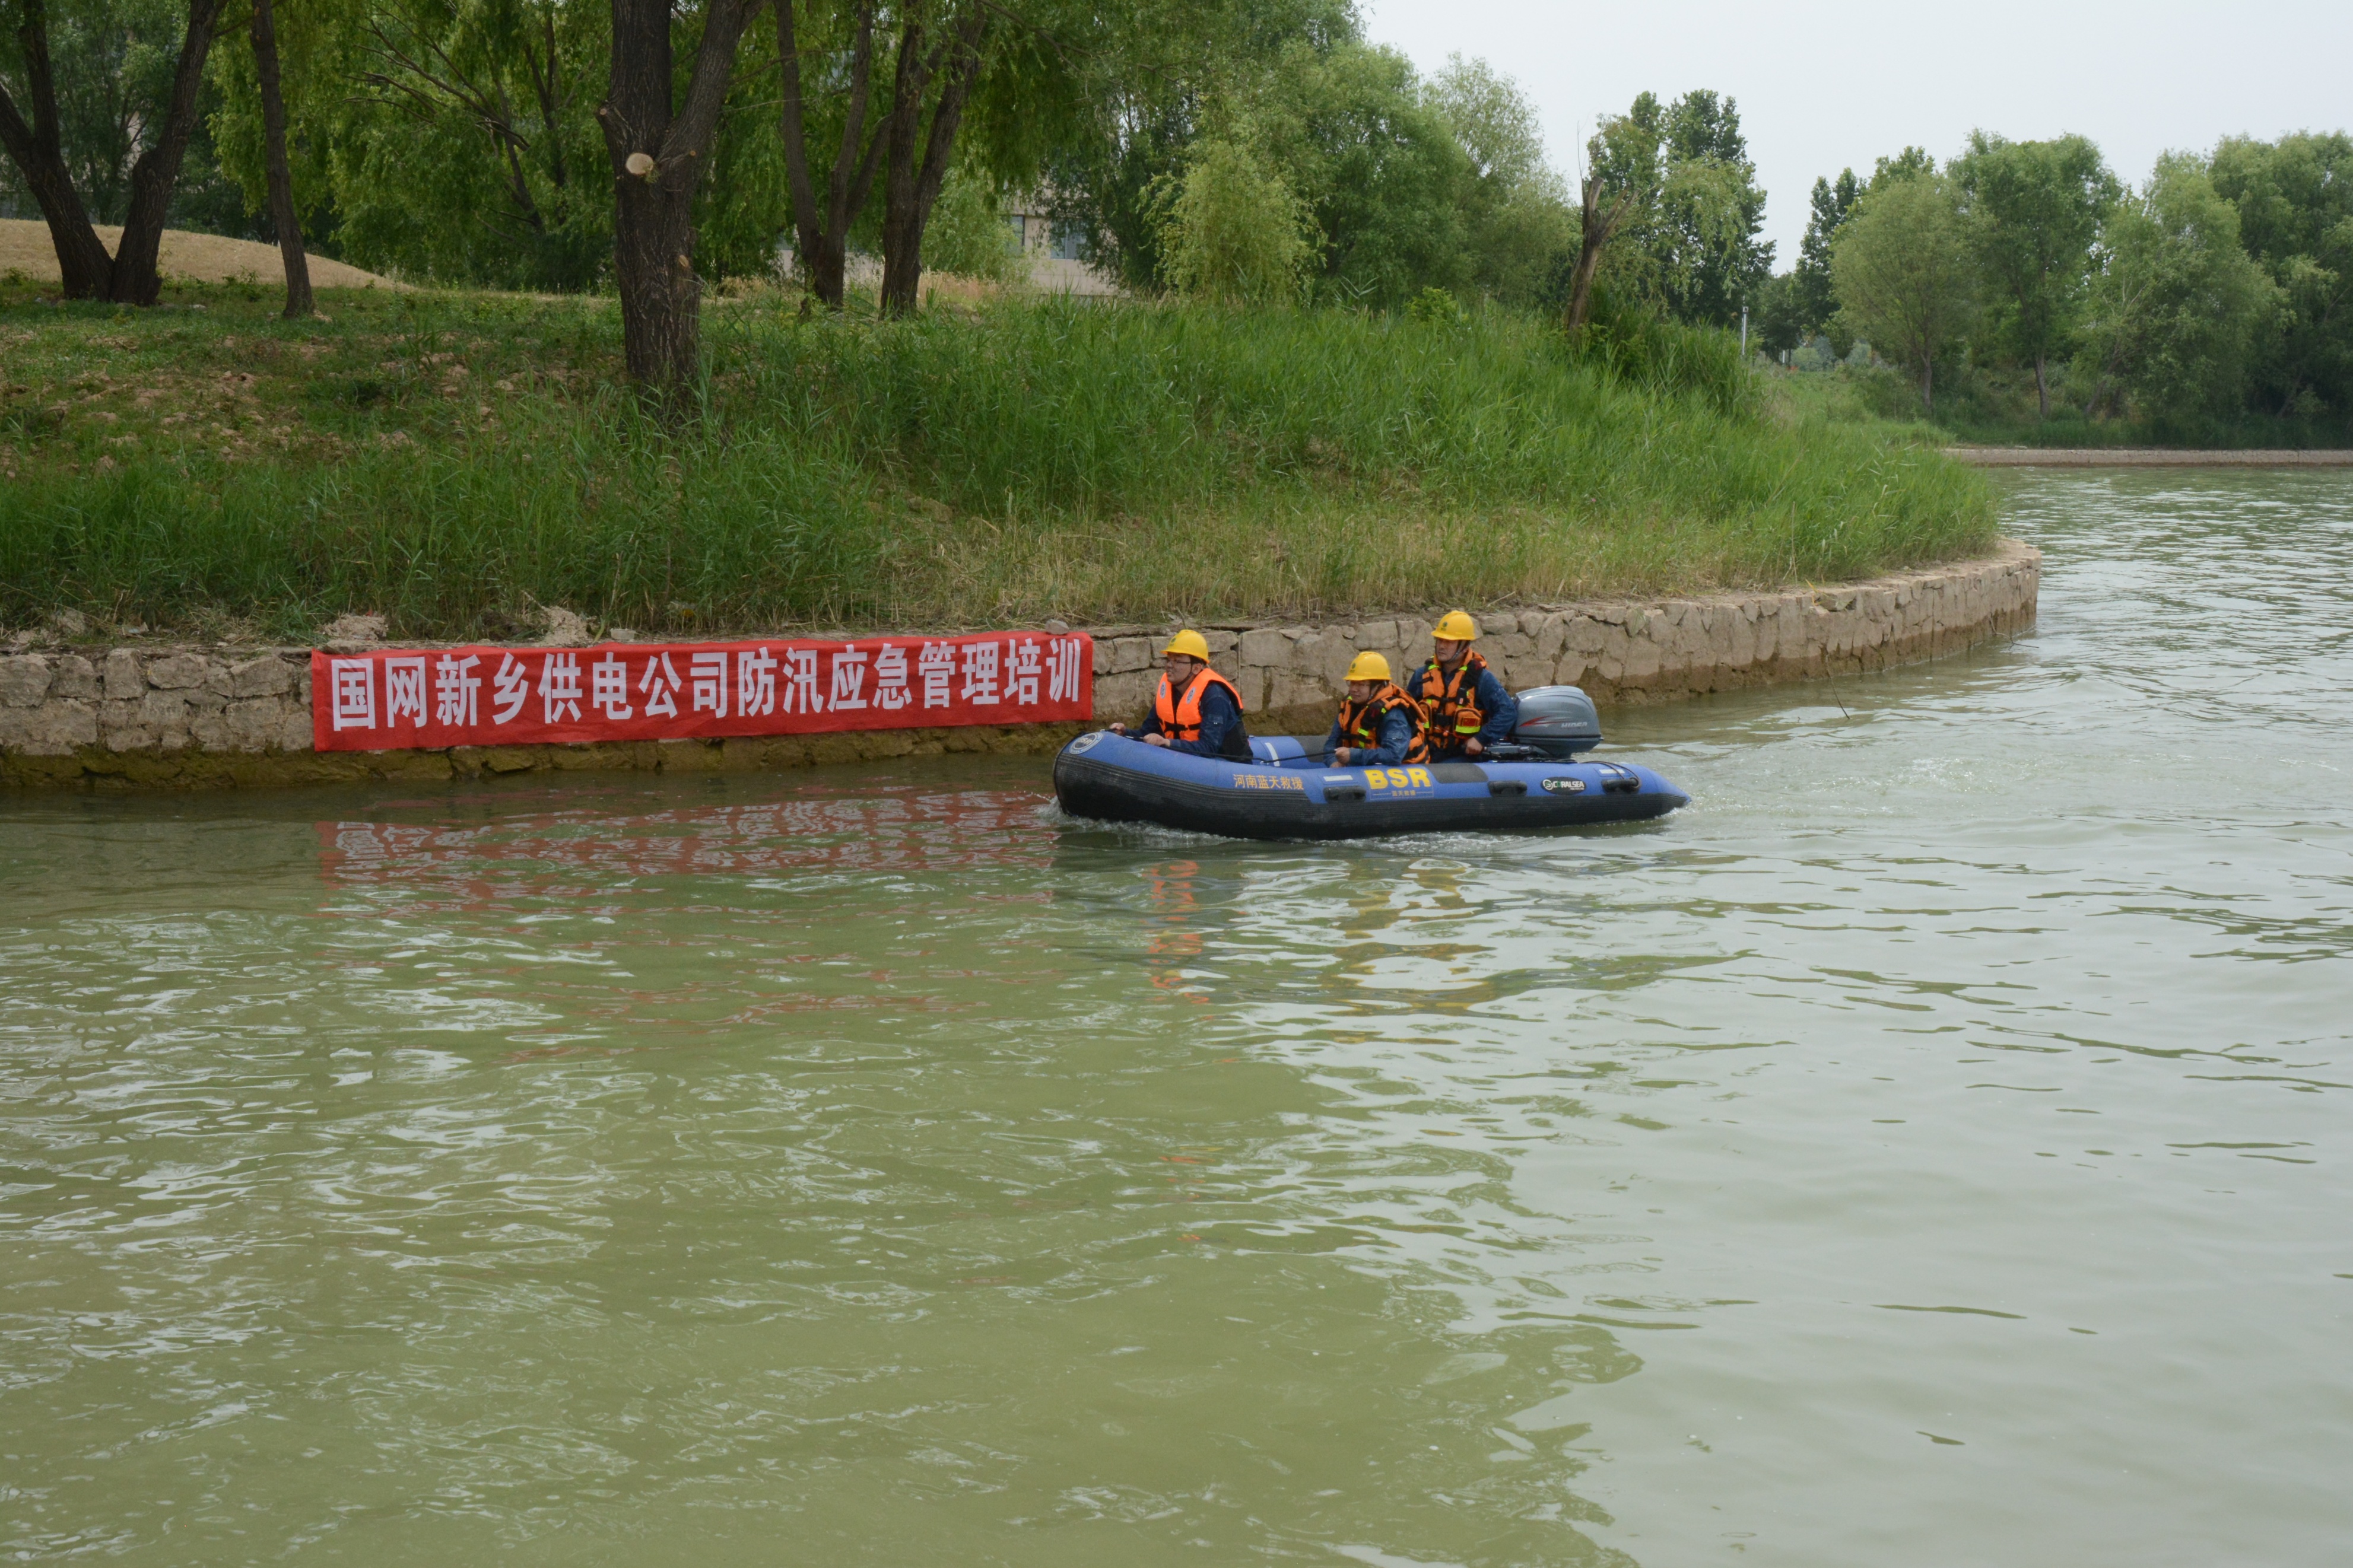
(1903, 273)
(1904, 165)
(2295, 203)
(1780, 314)
(1176, 73)
(1413, 184)
(1516, 219)
(1715, 209)
(1690, 243)
(1386, 179)
(113, 61)
(1810, 300)
(1235, 232)
(2032, 210)
(2177, 303)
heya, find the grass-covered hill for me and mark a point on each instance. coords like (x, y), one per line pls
(453, 460)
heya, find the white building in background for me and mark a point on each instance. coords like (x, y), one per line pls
(1052, 251)
(1050, 247)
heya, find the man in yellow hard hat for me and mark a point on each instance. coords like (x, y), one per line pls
(1196, 709)
(1380, 725)
(1470, 710)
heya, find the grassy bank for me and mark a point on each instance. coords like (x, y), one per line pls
(452, 460)
(1999, 409)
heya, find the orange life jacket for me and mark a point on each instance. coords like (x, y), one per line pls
(1455, 715)
(1180, 719)
(1360, 722)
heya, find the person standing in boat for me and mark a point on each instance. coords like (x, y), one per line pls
(1470, 710)
(1196, 710)
(1380, 725)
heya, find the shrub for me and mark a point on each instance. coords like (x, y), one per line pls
(1234, 233)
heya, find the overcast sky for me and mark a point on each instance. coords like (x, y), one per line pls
(1826, 86)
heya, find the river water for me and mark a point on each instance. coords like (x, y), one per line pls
(1928, 1148)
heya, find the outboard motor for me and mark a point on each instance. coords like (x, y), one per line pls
(1557, 721)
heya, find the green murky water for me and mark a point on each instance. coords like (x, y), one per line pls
(1929, 1148)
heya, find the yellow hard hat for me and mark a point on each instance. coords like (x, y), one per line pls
(1456, 627)
(1369, 666)
(1189, 643)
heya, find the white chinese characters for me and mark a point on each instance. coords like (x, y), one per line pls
(351, 686)
(457, 691)
(485, 695)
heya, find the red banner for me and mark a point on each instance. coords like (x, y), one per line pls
(393, 699)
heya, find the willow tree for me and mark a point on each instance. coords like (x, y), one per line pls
(897, 96)
(845, 69)
(1235, 232)
(36, 146)
(939, 62)
(659, 141)
(283, 219)
(1670, 212)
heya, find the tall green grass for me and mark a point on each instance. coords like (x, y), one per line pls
(1033, 459)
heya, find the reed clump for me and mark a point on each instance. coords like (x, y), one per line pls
(453, 460)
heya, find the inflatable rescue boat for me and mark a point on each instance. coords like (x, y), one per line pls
(1288, 788)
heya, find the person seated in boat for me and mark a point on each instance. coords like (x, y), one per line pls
(1470, 710)
(1196, 710)
(1380, 725)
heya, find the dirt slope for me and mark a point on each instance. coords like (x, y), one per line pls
(199, 258)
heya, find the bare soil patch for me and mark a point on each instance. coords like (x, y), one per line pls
(199, 258)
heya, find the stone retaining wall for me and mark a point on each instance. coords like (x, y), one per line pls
(220, 716)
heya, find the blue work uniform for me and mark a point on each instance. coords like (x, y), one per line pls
(1222, 735)
(1397, 739)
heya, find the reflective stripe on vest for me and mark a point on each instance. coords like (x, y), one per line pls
(1360, 722)
(1182, 720)
(1453, 708)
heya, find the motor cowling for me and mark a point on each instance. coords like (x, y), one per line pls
(1557, 720)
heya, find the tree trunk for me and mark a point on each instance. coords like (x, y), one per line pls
(2042, 390)
(281, 177)
(662, 299)
(657, 156)
(1594, 229)
(908, 190)
(821, 234)
(1929, 384)
(135, 279)
(2106, 376)
(84, 267)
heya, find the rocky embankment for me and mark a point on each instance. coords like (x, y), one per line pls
(74, 714)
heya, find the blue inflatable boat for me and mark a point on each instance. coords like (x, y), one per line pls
(1289, 790)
